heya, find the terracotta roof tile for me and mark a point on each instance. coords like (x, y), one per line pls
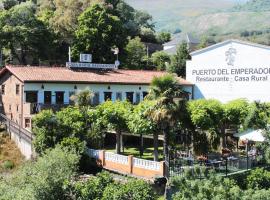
(63, 74)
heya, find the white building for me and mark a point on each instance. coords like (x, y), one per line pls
(26, 90)
(230, 70)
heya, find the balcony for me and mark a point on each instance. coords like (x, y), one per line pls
(34, 108)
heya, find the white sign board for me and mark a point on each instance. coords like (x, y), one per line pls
(90, 65)
(86, 58)
(230, 71)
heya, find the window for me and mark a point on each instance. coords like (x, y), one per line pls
(59, 97)
(3, 89)
(31, 96)
(130, 96)
(17, 108)
(95, 100)
(138, 98)
(145, 94)
(17, 89)
(27, 123)
(107, 96)
(119, 96)
(9, 108)
(47, 97)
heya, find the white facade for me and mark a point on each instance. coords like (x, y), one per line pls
(231, 70)
(68, 88)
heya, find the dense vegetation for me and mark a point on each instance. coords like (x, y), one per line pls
(40, 32)
(55, 176)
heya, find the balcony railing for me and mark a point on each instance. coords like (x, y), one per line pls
(34, 108)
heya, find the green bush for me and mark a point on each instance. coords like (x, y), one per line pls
(133, 190)
(93, 188)
(8, 164)
(44, 179)
(188, 173)
(259, 179)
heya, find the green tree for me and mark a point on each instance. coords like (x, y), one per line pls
(167, 93)
(72, 122)
(115, 116)
(44, 129)
(206, 116)
(139, 123)
(61, 15)
(147, 35)
(258, 117)
(44, 179)
(163, 37)
(178, 63)
(135, 50)
(24, 35)
(97, 33)
(160, 58)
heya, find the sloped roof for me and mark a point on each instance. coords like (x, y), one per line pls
(179, 38)
(64, 74)
(228, 42)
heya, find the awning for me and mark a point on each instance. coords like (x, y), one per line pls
(251, 135)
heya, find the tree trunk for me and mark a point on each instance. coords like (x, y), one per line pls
(141, 145)
(117, 148)
(155, 137)
(165, 146)
(121, 143)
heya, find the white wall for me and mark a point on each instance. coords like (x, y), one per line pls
(101, 88)
(231, 85)
(24, 145)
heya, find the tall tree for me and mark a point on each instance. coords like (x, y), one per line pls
(135, 50)
(139, 123)
(178, 63)
(206, 116)
(160, 59)
(97, 33)
(24, 35)
(167, 93)
(115, 116)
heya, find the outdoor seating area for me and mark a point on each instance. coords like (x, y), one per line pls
(223, 164)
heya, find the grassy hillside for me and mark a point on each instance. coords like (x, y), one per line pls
(219, 19)
(254, 5)
(168, 13)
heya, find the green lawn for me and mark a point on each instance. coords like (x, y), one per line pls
(135, 151)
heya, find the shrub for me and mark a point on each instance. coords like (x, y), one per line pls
(188, 173)
(93, 188)
(258, 179)
(8, 164)
(44, 179)
(133, 190)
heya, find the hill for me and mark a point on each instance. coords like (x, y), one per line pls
(218, 19)
(254, 6)
(168, 14)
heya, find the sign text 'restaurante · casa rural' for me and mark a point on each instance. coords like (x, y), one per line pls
(232, 74)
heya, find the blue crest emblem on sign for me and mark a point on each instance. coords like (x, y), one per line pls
(230, 56)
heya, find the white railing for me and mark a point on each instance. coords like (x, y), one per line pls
(146, 164)
(116, 158)
(93, 153)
